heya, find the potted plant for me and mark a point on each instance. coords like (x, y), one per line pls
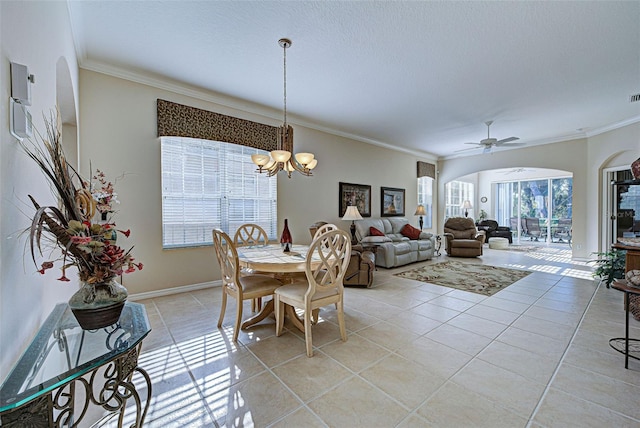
(610, 265)
(73, 237)
(482, 216)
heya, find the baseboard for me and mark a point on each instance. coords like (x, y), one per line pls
(174, 290)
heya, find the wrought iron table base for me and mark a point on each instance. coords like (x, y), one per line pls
(626, 345)
(58, 408)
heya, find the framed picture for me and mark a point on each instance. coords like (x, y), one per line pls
(391, 202)
(355, 194)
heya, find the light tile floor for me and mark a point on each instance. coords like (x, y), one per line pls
(418, 355)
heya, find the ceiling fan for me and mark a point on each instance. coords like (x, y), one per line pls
(488, 143)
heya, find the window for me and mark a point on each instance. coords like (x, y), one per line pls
(210, 184)
(456, 193)
(425, 197)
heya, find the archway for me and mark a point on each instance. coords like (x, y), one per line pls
(536, 203)
(65, 101)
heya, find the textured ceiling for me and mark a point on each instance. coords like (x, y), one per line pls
(423, 76)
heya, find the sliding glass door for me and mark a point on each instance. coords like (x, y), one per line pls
(539, 210)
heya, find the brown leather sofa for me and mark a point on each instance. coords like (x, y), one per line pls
(462, 237)
(361, 265)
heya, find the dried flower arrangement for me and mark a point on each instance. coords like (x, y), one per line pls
(84, 243)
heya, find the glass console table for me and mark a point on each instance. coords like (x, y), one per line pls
(66, 368)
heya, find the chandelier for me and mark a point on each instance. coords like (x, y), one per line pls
(282, 159)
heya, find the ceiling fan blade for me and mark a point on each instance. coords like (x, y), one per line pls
(475, 144)
(506, 140)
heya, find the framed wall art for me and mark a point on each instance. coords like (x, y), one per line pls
(391, 202)
(355, 194)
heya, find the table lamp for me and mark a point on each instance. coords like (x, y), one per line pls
(420, 211)
(466, 206)
(352, 214)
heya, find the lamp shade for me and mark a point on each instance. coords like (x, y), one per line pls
(280, 155)
(304, 158)
(312, 164)
(420, 210)
(466, 205)
(260, 160)
(352, 213)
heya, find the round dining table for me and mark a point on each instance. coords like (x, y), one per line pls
(284, 265)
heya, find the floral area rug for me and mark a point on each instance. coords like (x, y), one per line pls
(476, 278)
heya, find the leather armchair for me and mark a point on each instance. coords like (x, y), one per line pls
(492, 230)
(462, 237)
(361, 266)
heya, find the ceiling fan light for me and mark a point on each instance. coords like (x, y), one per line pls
(280, 155)
(304, 158)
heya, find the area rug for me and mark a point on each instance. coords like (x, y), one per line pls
(476, 278)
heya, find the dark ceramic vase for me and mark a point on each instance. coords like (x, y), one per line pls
(98, 305)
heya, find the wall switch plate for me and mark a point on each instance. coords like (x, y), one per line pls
(21, 83)
(20, 124)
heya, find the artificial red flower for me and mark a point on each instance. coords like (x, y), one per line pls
(125, 232)
(64, 278)
(45, 266)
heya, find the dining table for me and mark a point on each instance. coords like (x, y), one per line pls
(284, 265)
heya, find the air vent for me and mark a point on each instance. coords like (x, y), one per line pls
(634, 98)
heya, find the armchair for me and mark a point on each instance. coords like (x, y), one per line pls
(462, 237)
(361, 265)
(492, 230)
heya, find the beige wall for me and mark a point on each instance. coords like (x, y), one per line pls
(118, 135)
(38, 35)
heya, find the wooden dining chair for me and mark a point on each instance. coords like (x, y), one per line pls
(241, 288)
(251, 234)
(323, 285)
(328, 227)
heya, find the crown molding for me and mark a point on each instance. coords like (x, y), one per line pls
(235, 103)
(613, 126)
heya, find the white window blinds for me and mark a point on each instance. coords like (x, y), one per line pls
(210, 184)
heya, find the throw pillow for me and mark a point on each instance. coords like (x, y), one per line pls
(410, 231)
(375, 232)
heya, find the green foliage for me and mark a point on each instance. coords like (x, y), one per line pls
(483, 215)
(610, 265)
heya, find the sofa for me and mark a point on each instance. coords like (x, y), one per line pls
(462, 237)
(393, 245)
(492, 230)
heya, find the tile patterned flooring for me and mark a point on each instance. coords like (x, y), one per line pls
(418, 355)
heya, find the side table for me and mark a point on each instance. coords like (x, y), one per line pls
(66, 368)
(438, 247)
(625, 345)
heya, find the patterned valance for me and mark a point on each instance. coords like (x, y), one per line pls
(426, 170)
(177, 120)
